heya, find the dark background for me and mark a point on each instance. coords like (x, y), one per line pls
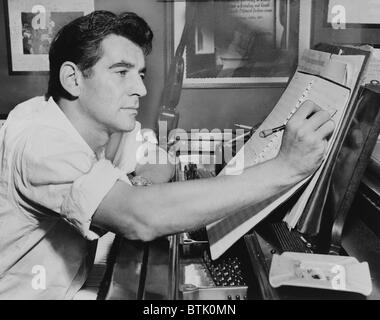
(199, 108)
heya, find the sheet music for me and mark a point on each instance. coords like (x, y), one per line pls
(223, 233)
(262, 149)
(313, 61)
(295, 213)
(343, 69)
(372, 71)
(354, 65)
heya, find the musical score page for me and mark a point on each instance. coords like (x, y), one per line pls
(328, 95)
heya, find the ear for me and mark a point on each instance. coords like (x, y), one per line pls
(70, 77)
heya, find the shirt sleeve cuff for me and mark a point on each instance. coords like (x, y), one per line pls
(87, 192)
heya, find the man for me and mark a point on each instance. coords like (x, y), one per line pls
(58, 191)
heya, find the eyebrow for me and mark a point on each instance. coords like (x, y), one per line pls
(125, 64)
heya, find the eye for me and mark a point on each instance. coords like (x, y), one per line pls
(122, 73)
(142, 75)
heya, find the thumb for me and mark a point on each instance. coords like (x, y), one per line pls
(148, 135)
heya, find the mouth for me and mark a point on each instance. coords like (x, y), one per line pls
(132, 110)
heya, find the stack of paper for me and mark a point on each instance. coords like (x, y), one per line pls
(323, 78)
(372, 70)
(353, 65)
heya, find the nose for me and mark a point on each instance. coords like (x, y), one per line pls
(139, 88)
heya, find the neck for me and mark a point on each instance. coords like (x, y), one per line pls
(93, 133)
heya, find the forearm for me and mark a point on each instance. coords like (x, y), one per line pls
(175, 207)
(159, 173)
(149, 212)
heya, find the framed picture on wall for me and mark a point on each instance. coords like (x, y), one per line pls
(32, 24)
(237, 43)
(340, 22)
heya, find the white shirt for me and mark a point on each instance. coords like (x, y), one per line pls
(51, 183)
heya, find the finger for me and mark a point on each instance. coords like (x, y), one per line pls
(306, 109)
(317, 120)
(177, 134)
(325, 131)
(178, 146)
(149, 136)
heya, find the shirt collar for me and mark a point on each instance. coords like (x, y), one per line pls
(57, 117)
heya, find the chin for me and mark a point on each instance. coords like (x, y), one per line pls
(129, 126)
(124, 124)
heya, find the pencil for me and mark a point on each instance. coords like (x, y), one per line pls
(242, 126)
(268, 132)
(230, 142)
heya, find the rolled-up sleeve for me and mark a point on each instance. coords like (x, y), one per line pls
(86, 193)
(60, 178)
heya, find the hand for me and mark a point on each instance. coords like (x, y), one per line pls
(148, 135)
(305, 139)
(176, 140)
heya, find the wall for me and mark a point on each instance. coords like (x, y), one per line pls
(221, 108)
(199, 108)
(14, 89)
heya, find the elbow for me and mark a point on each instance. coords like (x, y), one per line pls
(153, 228)
(142, 230)
(145, 221)
(146, 234)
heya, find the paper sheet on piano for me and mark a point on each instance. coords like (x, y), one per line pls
(372, 71)
(328, 95)
(295, 213)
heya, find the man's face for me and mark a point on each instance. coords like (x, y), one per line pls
(110, 95)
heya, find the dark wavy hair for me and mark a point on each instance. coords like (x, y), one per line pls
(79, 42)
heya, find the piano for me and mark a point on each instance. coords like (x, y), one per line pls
(179, 267)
